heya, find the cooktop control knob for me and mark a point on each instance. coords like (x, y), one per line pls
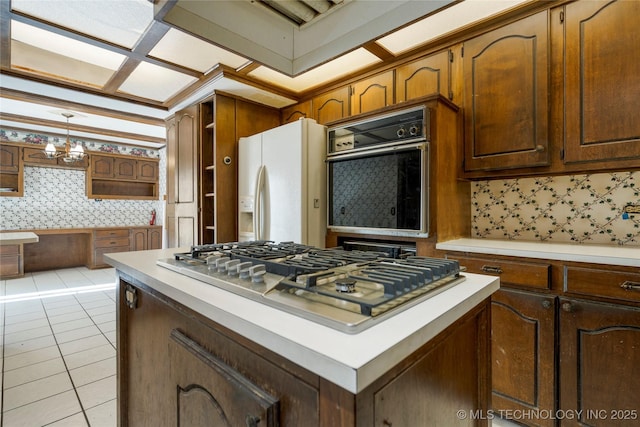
(232, 267)
(221, 264)
(211, 261)
(243, 270)
(257, 273)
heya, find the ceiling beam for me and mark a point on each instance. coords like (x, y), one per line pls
(80, 128)
(147, 42)
(103, 44)
(379, 51)
(76, 106)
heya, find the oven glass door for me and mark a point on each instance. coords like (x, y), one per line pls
(383, 191)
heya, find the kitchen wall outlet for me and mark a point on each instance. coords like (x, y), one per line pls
(632, 209)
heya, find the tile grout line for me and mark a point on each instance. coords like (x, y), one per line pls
(75, 390)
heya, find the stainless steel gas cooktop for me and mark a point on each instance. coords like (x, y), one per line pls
(346, 290)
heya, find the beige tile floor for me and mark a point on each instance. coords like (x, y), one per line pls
(58, 344)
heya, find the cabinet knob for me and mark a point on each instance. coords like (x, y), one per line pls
(540, 148)
(567, 307)
(546, 304)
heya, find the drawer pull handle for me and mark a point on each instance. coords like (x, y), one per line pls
(491, 269)
(630, 286)
(567, 307)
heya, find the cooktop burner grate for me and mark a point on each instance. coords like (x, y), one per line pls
(344, 289)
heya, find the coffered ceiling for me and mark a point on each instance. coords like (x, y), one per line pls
(147, 59)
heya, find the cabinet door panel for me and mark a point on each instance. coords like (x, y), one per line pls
(297, 111)
(125, 168)
(372, 93)
(426, 76)
(102, 166)
(599, 363)
(522, 352)
(602, 81)
(210, 392)
(147, 170)
(506, 99)
(331, 106)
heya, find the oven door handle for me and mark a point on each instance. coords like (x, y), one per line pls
(257, 208)
(366, 152)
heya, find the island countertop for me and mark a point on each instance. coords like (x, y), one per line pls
(351, 361)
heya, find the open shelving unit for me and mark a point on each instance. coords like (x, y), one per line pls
(207, 172)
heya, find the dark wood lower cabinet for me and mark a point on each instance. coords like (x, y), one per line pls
(210, 392)
(176, 367)
(599, 364)
(522, 354)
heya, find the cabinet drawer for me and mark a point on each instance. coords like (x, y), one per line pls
(99, 252)
(106, 234)
(517, 273)
(618, 284)
(112, 242)
(10, 250)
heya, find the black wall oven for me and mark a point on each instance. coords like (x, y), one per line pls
(378, 175)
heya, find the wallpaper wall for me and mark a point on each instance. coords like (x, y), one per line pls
(56, 198)
(567, 209)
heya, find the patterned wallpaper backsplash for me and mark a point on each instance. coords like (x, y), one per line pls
(566, 209)
(56, 198)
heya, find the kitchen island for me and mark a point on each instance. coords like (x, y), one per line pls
(191, 353)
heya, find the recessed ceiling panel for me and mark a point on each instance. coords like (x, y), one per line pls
(269, 38)
(154, 82)
(121, 22)
(46, 54)
(447, 20)
(200, 55)
(346, 64)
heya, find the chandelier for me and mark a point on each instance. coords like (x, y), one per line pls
(69, 154)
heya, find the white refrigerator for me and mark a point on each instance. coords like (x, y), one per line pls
(282, 184)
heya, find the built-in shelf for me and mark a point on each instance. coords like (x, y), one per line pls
(210, 168)
(210, 227)
(209, 194)
(210, 126)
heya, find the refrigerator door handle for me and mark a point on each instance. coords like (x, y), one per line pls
(257, 209)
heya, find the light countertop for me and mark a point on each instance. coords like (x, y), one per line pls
(18, 237)
(596, 254)
(352, 361)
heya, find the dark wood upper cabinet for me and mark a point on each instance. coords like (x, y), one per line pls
(372, 93)
(602, 87)
(506, 96)
(430, 75)
(102, 166)
(11, 171)
(330, 106)
(298, 111)
(125, 169)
